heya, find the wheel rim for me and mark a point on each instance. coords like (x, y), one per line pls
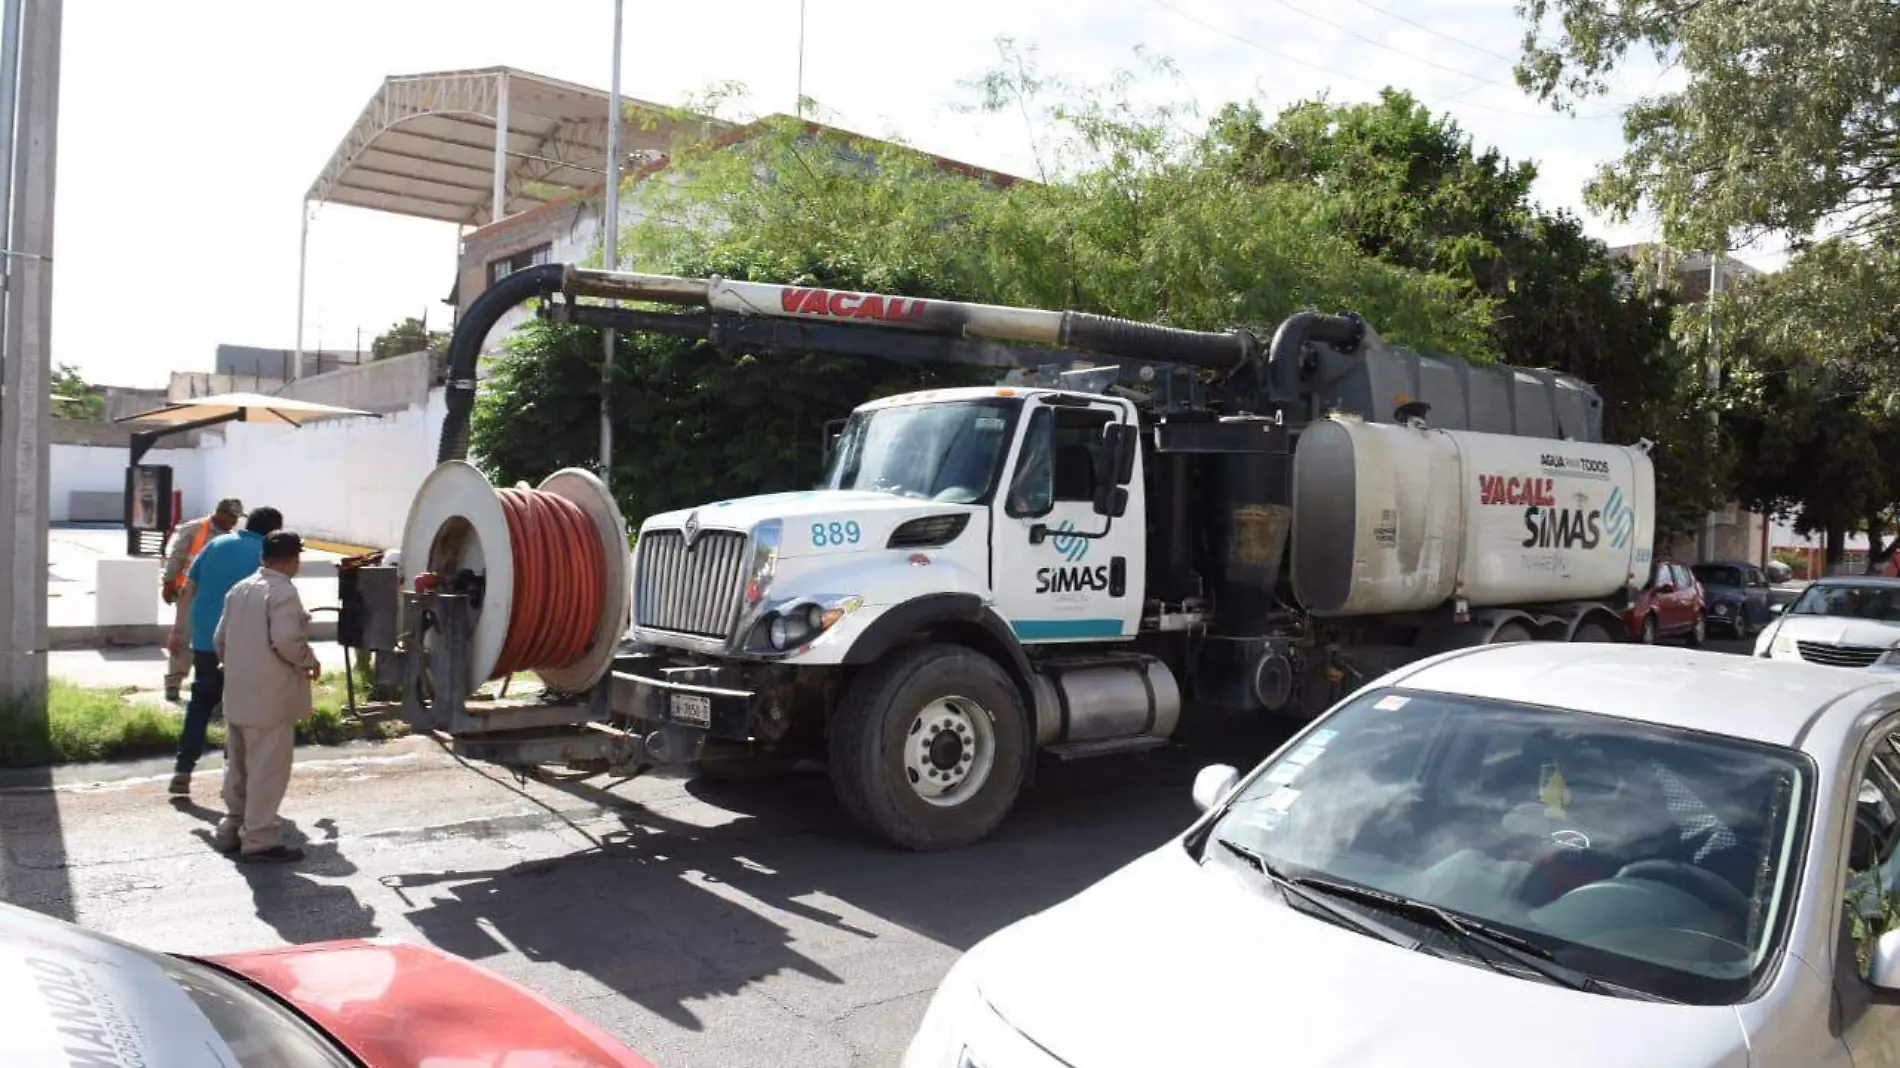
(1649, 631)
(1701, 630)
(949, 751)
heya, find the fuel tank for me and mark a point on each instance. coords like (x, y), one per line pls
(1395, 518)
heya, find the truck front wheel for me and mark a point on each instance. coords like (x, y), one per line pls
(930, 748)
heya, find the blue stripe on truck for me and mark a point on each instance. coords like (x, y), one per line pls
(1030, 630)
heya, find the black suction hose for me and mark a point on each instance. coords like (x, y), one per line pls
(465, 347)
(1283, 356)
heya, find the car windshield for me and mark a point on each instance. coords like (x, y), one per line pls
(1880, 603)
(1642, 857)
(947, 451)
(1718, 574)
(260, 1032)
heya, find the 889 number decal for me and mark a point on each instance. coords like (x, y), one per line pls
(845, 533)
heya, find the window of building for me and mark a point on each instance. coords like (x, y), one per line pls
(507, 265)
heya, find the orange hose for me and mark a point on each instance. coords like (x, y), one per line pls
(560, 592)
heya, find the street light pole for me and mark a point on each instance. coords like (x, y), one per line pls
(610, 253)
(1714, 380)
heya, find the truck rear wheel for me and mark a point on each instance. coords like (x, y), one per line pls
(930, 748)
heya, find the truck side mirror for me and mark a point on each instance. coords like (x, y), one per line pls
(829, 443)
(1115, 464)
(1111, 501)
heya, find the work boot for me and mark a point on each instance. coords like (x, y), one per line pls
(181, 784)
(275, 854)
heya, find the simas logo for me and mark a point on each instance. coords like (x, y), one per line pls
(836, 304)
(1619, 518)
(1074, 576)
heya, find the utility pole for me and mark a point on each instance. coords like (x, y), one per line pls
(1714, 381)
(29, 111)
(610, 254)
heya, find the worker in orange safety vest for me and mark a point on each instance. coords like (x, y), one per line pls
(186, 541)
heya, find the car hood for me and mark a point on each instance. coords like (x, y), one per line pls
(398, 1005)
(1839, 630)
(1718, 591)
(1222, 974)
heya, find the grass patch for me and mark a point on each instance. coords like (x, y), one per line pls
(82, 724)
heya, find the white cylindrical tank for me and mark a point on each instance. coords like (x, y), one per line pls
(1390, 518)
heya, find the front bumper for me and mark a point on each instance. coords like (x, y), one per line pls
(692, 703)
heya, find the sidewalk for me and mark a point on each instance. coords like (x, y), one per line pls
(72, 556)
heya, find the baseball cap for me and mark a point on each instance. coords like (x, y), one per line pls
(282, 544)
(231, 506)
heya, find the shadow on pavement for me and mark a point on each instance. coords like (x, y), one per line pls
(300, 909)
(665, 912)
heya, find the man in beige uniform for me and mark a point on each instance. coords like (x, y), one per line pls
(190, 536)
(263, 640)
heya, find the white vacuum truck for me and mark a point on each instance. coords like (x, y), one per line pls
(1076, 559)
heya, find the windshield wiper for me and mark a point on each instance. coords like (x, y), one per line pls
(1475, 933)
(1292, 887)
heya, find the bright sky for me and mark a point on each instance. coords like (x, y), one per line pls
(190, 130)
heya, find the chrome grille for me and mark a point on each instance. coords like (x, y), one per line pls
(697, 592)
(1854, 656)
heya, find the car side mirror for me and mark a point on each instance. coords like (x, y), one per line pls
(1214, 783)
(1883, 972)
(1777, 609)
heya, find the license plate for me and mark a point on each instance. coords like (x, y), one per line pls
(691, 709)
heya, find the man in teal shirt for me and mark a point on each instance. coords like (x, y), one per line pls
(223, 563)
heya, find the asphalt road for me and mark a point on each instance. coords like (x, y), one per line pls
(704, 924)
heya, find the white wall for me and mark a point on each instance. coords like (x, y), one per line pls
(347, 480)
(101, 469)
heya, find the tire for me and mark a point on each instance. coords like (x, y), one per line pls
(1648, 636)
(1510, 632)
(729, 762)
(1698, 633)
(930, 709)
(1594, 632)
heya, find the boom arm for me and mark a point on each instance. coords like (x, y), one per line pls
(745, 314)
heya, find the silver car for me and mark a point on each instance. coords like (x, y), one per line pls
(1524, 854)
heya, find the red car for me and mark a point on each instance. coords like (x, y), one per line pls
(1668, 606)
(75, 996)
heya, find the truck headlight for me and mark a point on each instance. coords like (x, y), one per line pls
(802, 620)
(758, 579)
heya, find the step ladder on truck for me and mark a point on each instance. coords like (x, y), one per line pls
(1137, 527)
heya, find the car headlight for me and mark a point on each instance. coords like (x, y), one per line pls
(1893, 655)
(1720, 608)
(1783, 645)
(802, 620)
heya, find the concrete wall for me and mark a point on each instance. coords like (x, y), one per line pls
(90, 470)
(390, 385)
(344, 480)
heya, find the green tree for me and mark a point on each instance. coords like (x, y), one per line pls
(410, 335)
(1135, 219)
(1810, 400)
(73, 395)
(1789, 121)
(1412, 189)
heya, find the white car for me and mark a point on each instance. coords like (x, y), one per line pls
(1524, 854)
(1840, 621)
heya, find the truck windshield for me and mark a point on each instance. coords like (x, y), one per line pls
(949, 451)
(1651, 858)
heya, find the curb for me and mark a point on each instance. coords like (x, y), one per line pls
(340, 548)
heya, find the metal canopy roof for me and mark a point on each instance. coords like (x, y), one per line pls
(425, 145)
(242, 407)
